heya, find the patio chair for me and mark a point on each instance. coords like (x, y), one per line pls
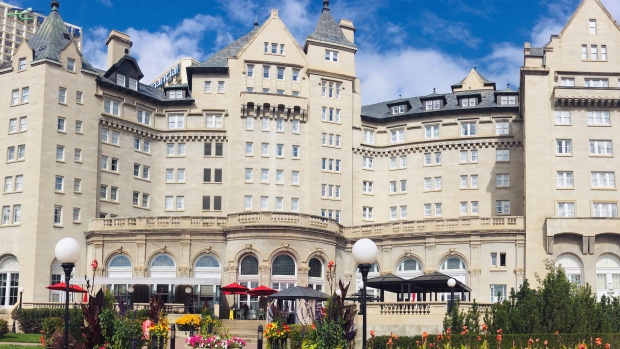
(238, 314)
(261, 314)
(252, 315)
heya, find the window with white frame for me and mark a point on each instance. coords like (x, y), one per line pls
(265, 123)
(207, 86)
(295, 74)
(280, 72)
(432, 105)
(279, 176)
(502, 127)
(393, 213)
(78, 126)
(584, 52)
(264, 175)
(502, 206)
(367, 187)
(502, 180)
(266, 70)
(62, 95)
(502, 155)
(296, 128)
(295, 177)
(57, 215)
(367, 212)
(437, 157)
(221, 86)
(296, 152)
(567, 82)
(331, 55)
(367, 162)
(60, 153)
(21, 66)
(214, 121)
(600, 147)
(249, 123)
(463, 208)
(369, 136)
(427, 183)
(264, 203)
(25, 94)
(564, 146)
(59, 184)
(593, 26)
(474, 207)
(598, 117)
(508, 100)
(427, 210)
(247, 202)
(144, 117)
(602, 179)
(593, 52)
(438, 209)
(295, 204)
(176, 121)
(431, 131)
(565, 179)
(605, 209)
(468, 129)
(566, 209)
(61, 124)
(596, 82)
(111, 107)
(279, 125)
(469, 102)
(562, 117)
(397, 135)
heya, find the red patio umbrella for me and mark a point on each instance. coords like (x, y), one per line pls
(63, 287)
(234, 288)
(261, 291)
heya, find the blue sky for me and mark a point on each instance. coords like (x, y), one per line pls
(406, 47)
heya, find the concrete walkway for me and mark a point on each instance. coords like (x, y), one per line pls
(22, 344)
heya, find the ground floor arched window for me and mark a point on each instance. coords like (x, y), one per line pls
(209, 268)
(9, 281)
(316, 275)
(120, 266)
(454, 267)
(248, 277)
(163, 266)
(572, 267)
(608, 276)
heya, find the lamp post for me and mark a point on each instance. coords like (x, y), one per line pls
(451, 284)
(188, 290)
(360, 286)
(130, 289)
(67, 253)
(365, 254)
(259, 345)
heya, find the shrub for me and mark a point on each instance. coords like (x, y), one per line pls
(58, 341)
(297, 335)
(50, 326)
(127, 334)
(31, 320)
(4, 327)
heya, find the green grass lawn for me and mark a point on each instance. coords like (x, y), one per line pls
(20, 338)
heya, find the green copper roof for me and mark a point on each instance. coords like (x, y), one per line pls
(327, 30)
(51, 38)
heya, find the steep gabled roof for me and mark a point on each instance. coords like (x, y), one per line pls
(474, 72)
(220, 59)
(327, 30)
(583, 2)
(130, 60)
(51, 38)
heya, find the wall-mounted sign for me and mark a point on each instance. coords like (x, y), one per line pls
(24, 15)
(175, 71)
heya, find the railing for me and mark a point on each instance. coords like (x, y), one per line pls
(305, 221)
(49, 305)
(417, 308)
(439, 225)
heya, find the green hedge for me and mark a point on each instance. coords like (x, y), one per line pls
(295, 337)
(509, 341)
(31, 320)
(4, 327)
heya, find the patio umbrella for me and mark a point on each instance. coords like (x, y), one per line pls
(63, 287)
(261, 291)
(234, 288)
(299, 292)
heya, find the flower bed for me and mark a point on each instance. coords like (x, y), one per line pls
(215, 341)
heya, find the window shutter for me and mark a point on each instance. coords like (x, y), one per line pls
(217, 203)
(206, 203)
(218, 175)
(207, 175)
(219, 149)
(208, 148)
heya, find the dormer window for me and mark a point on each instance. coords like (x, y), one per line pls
(433, 105)
(399, 109)
(469, 102)
(508, 100)
(593, 26)
(133, 84)
(175, 94)
(331, 55)
(120, 79)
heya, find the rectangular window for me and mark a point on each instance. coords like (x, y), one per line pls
(274, 48)
(180, 203)
(115, 137)
(249, 148)
(279, 125)
(474, 181)
(206, 175)
(70, 64)
(214, 121)
(593, 26)
(427, 210)
(176, 121)
(77, 185)
(468, 129)
(264, 203)
(220, 86)
(566, 209)
(438, 209)
(463, 181)
(60, 125)
(474, 156)
(77, 156)
(463, 208)
(295, 74)
(564, 147)
(593, 52)
(62, 95)
(584, 52)
(502, 180)
(427, 183)
(8, 184)
(207, 86)
(596, 82)
(562, 117)
(331, 55)
(403, 185)
(114, 193)
(6, 214)
(432, 131)
(136, 171)
(502, 207)
(111, 107)
(147, 147)
(21, 66)
(266, 69)
(265, 123)
(296, 126)
(367, 162)
(280, 150)
(59, 184)
(367, 212)
(103, 162)
(217, 175)
(564, 179)
(369, 136)
(135, 198)
(598, 117)
(392, 187)
(295, 204)
(264, 175)
(392, 162)
(249, 123)
(603, 180)
(206, 203)
(60, 153)
(605, 209)
(217, 203)
(437, 158)
(279, 176)
(103, 192)
(393, 213)
(437, 183)
(397, 136)
(603, 52)
(250, 70)
(502, 155)
(219, 149)
(474, 207)
(367, 187)
(463, 155)
(144, 117)
(114, 165)
(502, 127)
(247, 202)
(508, 100)
(568, 82)
(133, 84)
(57, 214)
(600, 147)
(78, 126)
(280, 73)
(15, 97)
(295, 152)
(295, 177)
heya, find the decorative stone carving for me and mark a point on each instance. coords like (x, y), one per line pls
(184, 270)
(452, 251)
(429, 271)
(476, 271)
(230, 269)
(303, 270)
(285, 245)
(248, 247)
(140, 269)
(519, 271)
(264, 268)
(408, 253)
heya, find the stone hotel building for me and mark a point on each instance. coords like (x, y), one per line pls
(260, 165)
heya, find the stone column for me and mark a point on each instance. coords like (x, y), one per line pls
(302, 276)
(264, 275)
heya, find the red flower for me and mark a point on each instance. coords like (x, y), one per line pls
(545, 343)
(478, 338)
(439, 337)
(432, 345)
(424, 335)
(537, 340)
(314, 328)
(599, 341)
(484, 327)
(331, 264)
(557, 333)
(498, 338)
(499, 331)
(94, 265)
(530, 341)
(607, 346)
(448, 330)
(389, 342)
(582, 346)
(372, 333)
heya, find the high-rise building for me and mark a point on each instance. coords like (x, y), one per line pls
(260, 166)
(18, 25)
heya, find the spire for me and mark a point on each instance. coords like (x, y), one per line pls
(327, 30)
(256, 21)
(325, 5)
(51, 37)
(55, 5)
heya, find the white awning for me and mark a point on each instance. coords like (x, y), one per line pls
(147, 281)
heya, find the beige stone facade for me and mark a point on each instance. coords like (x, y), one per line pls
(261, 165)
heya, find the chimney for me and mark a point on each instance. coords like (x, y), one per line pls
(117, 44)
(348, 29)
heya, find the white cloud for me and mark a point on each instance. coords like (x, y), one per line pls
(448, 31)
(503, 65)
(106, 3)
(156, 51)
(409, 73)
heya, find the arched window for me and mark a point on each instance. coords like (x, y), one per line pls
(9, 281)
(454, 267)
(249, 266)
(120, 266)
(163, 266)
(316, 268)
(283, 265)
(572, 267)
(207, 261)
(453, 263)
(409, 268)
(608, 275)
(373, 272)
